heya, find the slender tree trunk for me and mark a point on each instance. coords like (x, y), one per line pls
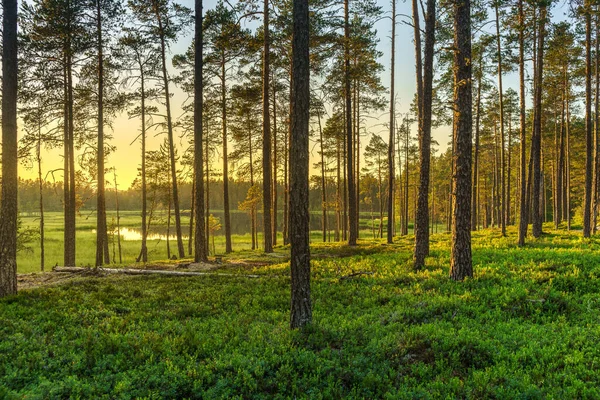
(352, 198)
(101, 231)
(192, 224)
(227, 216)
(524, 206)
(338, 210)
(10, 178)
(560, 164)
(503, 197)
(568, 156)
(301, 310)
(286, 187)
(207, 189)
(253, 206)
(274, 189)
(596, 128)
(589, 138)
(406, 178)
(474, 202)
(169, 228)
(70, 242)
(537, 126)
(422, 212)
(508, 171)
(460, 258)
(391, 167)
(41, 187)
(200, 242)
(144, 252)
(165, 77)
(323, 183)
(118, 218)
(266, 144)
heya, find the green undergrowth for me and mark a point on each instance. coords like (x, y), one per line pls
(526, 327)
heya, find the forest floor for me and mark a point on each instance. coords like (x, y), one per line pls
(526, 326)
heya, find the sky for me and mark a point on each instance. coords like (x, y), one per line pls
(126, 158)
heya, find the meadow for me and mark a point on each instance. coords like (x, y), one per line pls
(525, 327)
(29, 261)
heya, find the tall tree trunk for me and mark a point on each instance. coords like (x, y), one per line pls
(227, 216)
(286, 186)
(101, 231)
(589, 138)
(301, 311)
(568, 156)
(10, 178)
(207, 189)
(508, 171)
(524, 206)
(171, 139)
(41, 188)
(274, 189)
(391, 167)
(537, 126)
(144, 252)
(70, 244)
(422, 212)
(323, 183)
(596, 128)
(266, 143)
(474, 202)
(200, 243)
(560, 166)
(352, 198)
(338, 193)
(460, 258)
(503, 197)
(406, 178)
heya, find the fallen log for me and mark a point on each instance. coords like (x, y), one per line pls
(355, 274)
(132, 271)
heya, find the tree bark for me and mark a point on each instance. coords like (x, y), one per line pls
(227, 216)
(101, 228)
(524, 206)
(537, 127)
(10, 179)
(301, 312)
(274, 188)
(474, 202)
(41, 188)
(422, 212)
(460, 259)
(503, 197)
(352, 198)
(323, 183)
(266, 143)
(391, 167)
(144, 252)
(200, 245)
(589, 138)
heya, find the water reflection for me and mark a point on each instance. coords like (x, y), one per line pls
(134, 234)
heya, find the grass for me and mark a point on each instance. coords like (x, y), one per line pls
(526, 327)
(86, 241)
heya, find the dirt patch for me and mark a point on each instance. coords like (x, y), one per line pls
(40, 279)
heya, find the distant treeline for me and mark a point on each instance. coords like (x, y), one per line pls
(130, 199)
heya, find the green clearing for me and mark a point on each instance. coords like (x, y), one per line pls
(526, 327)
(157, 248)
